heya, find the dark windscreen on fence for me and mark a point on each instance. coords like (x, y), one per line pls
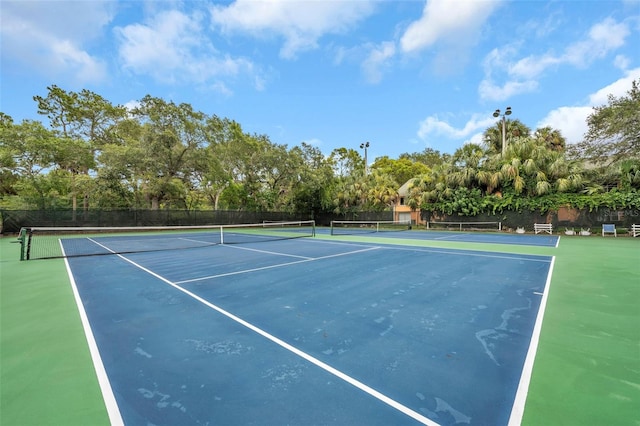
(13, 220)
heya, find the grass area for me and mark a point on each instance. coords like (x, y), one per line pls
(587, 368)
(46, 372)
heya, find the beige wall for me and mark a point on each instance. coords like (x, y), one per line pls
(415, 214)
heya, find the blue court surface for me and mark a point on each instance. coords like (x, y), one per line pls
(540, 240)
(312, 331)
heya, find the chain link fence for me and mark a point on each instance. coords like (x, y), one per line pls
(565, 217)
(12, 220)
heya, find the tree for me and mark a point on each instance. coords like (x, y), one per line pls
(215, 165)
(514, 129)
(170, 135)
(400, 170)
(84, 121)
(429, 157)
(28, 153)
(315, 179)
(351, 194)
(531, 169)
(346, 161)
(467, 162)
(552, 138)
(614, 129)
(383, 191)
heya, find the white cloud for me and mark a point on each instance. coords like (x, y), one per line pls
(618, 88)
(131, 105)
(621, 62)
(476, 139)
(522, 75)
(572, 121)
(439, 22)
(434, 126)
(221, 88)
(378, 60)
(50, 38)
(603, 37)
(300, 23)
(59, 19)
(488, 90)
(172, 47)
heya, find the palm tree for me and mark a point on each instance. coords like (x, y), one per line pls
(514, 129)
(552, 138)
(532, 169)
(383, 191)
(467, 161)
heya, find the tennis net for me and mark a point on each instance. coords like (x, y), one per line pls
(350, 227)
(55, 242)
(465, 226)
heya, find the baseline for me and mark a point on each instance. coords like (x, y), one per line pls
(460, 252)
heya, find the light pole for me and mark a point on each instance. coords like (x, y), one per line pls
(364, 146)
(504, 126)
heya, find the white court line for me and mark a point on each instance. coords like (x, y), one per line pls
(339, 243)
(279, 265)
(352, 381)
(461, 252)
(204, 243)
(451, 237)
(244, 271)
(525, 379)
(110, 403)
(267, 252)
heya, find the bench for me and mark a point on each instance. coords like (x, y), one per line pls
(609, 228)
(543, 227)
(635, 230)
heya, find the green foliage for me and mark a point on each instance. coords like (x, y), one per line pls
(462, 201)
(400, 170)
(614, 129)
(470, 205)
(166, 155)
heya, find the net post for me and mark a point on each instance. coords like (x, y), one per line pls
(222, 235)
(313, 228)
(499, 226)
(21, 239)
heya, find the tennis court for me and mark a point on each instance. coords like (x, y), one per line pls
(397, 230)
(320, 330)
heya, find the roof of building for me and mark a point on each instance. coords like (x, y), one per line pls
(403, 191)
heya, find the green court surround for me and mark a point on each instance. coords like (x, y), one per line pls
(586, 372)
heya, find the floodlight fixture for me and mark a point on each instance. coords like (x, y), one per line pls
(504, 126)
(364, 146)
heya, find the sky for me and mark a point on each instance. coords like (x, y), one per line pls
(401, 75)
